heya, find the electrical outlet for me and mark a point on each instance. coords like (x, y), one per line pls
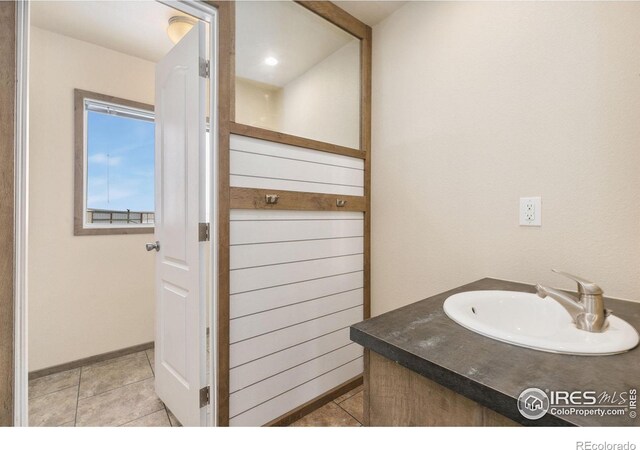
(531, 211)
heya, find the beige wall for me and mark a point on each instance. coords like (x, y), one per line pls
(478, 104)
(87, 295)
(257, 104)
(324, 102)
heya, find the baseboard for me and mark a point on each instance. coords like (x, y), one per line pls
(312, 405)
(90, 360)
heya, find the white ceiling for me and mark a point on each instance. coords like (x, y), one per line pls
(137, 28)
(370, 12)
(296, 37)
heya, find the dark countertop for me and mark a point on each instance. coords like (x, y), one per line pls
(422, 338)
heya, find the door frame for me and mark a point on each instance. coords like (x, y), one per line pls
(204, 10)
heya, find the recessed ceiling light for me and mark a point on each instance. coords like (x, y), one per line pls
(271, 61)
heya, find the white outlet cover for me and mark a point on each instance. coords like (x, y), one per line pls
(531, 211)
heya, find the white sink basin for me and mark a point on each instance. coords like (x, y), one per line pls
(529, 321)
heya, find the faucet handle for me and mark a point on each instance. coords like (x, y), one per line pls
(584, 286)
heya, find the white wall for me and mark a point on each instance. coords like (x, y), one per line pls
(257, 104)
(324, 102)
(478, 104)
(87, 294)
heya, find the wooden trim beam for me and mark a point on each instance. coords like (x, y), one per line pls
(7, 251)
(249, 198)
(365, 144)
(283, 138)
(226, 103)
(337, 16)
(367, 388)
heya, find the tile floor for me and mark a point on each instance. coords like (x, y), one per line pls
(116, 392)
(344, 411)
(120, 392)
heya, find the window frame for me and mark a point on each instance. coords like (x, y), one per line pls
(80, 228)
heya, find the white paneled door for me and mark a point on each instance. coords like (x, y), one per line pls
(180, 365)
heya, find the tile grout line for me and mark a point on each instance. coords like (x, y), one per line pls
(142, 417)
(54, 392)
(75, 418)
(350, 415)
(149, 361)
(97, 364)
(166, 411)
(116, 388)
(79, 385)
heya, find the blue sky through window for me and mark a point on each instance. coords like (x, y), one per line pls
(120, 163)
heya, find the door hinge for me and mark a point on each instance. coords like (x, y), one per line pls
(204, 68)
(204, 396)
(203, 232)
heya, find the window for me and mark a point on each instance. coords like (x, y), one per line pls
(114, 173)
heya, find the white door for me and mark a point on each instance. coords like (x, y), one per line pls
(180, 366)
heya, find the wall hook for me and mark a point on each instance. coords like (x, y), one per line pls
(271, 199)
(340, 203)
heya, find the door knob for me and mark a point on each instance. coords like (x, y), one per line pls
(151, 246)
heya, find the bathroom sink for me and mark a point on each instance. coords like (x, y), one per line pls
(529, 321)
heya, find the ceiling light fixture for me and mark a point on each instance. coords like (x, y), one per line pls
(271, 61)
(178, 27)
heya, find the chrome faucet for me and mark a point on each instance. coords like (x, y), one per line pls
(587, 311)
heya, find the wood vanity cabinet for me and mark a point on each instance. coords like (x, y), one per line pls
(423, 369)
(397, 396)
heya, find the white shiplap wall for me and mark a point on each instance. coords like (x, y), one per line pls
(268, 165)
(296, 283)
